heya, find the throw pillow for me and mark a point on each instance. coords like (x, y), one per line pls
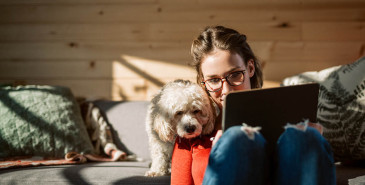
(341, 107)
(41, 121)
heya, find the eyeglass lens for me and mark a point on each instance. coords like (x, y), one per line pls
(233, 79)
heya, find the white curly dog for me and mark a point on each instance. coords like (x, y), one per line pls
(180, 108)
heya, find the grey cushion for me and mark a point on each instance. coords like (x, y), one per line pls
(41, 121)
(127, 118)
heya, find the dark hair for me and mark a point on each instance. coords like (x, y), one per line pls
(219, 37)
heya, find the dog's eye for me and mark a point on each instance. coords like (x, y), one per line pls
(179, 113)
(196, 111)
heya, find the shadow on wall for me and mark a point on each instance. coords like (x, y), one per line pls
(146, 76)
(123, 92)
(142, 73)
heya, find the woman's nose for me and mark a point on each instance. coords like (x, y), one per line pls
(226, 88)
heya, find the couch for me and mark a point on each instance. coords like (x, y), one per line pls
(127, 119)
(127, 122)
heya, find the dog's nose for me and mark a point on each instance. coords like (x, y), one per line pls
(190, 128)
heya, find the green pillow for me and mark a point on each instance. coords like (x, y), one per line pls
(341, 107)
(41, 121)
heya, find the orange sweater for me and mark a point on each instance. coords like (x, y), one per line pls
(190, 159)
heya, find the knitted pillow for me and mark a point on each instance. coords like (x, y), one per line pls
(40, 121)
(341, 107)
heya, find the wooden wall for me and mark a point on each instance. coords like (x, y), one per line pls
(127, 49)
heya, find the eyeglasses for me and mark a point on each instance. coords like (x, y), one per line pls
(233, 79)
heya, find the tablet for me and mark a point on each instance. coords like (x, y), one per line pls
(271, 108)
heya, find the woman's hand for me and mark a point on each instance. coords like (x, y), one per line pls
(303, 125)
(217, 136)
(317, 126)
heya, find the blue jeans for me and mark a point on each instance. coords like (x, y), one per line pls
(301, 157)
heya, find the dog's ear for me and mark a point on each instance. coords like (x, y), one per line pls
(209, 126)
(211, 114)
(164, 129)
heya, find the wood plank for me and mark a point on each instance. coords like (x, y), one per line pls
(334, 31)
(127, 68)
(152, 69)
(272, 11)
(172, 52)
(152, 88)
(178, 53)
(262, 50)
(129, 89)
(278, 70)
(316, 51)
(106, 32)
(120, 89)
(273, 2)
(115, 89)
(270, 84)
(91, 89)
(179, 31)
(138, 89)
(324, 14)
(111, 50)
(76, 13)
(56, 70)
(273, 70)
(73, 2)
(249, 2)
(209, 13)
(144, 89)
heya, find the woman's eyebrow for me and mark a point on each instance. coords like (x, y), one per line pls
(210, 76)
(234, 69)
(228, 72)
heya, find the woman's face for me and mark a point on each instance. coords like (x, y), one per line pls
(221, 63)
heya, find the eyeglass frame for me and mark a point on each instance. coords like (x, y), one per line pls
(226, 78)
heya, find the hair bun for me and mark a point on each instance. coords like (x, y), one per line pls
(244, 37)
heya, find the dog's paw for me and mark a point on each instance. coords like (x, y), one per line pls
(154, 174)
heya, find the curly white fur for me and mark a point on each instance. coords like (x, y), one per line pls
(180, 108)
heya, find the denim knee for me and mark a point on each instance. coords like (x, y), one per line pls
(237, 158)
(304, 157)
(305, 139)
(235, 138)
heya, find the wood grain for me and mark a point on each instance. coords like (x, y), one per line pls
(128, 49)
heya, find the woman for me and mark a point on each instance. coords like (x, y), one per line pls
(224, 63)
